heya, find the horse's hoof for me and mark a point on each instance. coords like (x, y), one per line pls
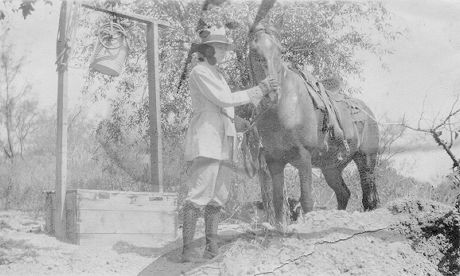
(268, 226)
(282, 228)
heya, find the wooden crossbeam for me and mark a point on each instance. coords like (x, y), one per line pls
(136, 17)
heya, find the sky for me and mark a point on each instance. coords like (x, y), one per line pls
(423, 74)
(423, 77)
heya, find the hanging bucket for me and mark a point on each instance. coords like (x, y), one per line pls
(111, 50)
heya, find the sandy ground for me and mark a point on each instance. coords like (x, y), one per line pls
(26, 250)
(389, 241)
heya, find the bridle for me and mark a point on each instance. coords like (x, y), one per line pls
(258, 116)
(271, 35)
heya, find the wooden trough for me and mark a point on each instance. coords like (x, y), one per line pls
(103, 218)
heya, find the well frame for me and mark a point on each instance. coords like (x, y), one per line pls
(58, 204)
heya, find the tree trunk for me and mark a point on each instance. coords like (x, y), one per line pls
(8, 117)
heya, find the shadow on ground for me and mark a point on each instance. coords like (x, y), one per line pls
(169, 262)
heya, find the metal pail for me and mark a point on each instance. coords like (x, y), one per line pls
(111, 52)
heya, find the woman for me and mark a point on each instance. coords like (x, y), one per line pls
(210, 142)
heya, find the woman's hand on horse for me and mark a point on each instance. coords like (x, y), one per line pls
(268, 85)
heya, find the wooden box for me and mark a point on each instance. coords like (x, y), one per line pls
(95, 217)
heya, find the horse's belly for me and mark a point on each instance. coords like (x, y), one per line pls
(276, 144)
(334, 155)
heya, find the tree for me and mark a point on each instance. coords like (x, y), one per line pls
(389, 135)
(18, 113)
(445, 132)
(26, 7)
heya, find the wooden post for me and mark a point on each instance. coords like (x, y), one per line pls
(61, 143)
(153, 64)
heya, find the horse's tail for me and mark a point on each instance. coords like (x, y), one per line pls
(369, 135)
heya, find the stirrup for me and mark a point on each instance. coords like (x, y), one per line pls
(326, 144)
(347, 147)
(340, 156)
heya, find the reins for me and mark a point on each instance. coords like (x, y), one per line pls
(245, 148)
(256, 118)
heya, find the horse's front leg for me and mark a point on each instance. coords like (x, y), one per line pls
(276, 169)
(304, 166)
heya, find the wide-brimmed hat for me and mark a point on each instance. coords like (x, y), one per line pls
(214, 34)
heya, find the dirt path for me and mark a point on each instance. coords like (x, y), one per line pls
(398, 240)
(326, 243)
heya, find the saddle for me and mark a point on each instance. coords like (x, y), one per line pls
(323, 100)
(326, 97)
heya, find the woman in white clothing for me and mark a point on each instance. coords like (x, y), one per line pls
(211, 138)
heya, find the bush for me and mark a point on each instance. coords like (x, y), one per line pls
(448, 191)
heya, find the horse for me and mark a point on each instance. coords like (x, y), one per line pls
(291, 131)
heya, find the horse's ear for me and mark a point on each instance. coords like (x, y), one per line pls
(274, 31)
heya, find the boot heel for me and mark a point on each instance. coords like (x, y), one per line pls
(191, 214)
(211, 218)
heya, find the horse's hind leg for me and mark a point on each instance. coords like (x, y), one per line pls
(366, 166)
(334, 179)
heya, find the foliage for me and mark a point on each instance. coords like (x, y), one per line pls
(18, 111)
(23, 180)
(322, 35)
(26, 7)
(448, 191)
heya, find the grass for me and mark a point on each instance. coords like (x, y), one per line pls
(13, 251)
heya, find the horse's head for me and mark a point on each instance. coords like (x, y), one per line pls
(265, 41)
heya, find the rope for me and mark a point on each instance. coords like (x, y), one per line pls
(245, 148)
(67, 48)
(254, 121)
(108, 32)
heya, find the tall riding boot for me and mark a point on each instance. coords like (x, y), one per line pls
(211, 219)
(189, 253)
